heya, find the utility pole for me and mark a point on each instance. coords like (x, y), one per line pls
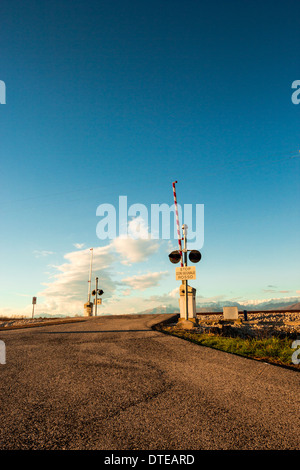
(90, 277)
(88, 306)
(184, 232)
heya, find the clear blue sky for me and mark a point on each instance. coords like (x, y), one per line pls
(108, 98)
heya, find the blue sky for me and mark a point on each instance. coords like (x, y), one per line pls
(110, 98)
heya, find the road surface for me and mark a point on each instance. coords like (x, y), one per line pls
(113, 383)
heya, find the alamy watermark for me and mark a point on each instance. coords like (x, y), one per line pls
(160, 223)
(296, 354)
(2, 352)
(2, 92)
(296, 95)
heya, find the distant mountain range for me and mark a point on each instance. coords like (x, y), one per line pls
(49, 315)
(161, 309)
(272, 304)
(293, 307)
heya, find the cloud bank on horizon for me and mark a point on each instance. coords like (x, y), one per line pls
(125, 271)
(67, 289)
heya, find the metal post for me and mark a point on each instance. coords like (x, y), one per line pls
(184, 230)
(90, 277)
(33, 304)
(96, 297)
(177, 221)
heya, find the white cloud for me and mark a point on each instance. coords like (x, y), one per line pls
(275, 299)
(138, 246)
(137, 228)
(174, 293)
(79, 245)
(127, 305)
(126, 292)
(170, 299)
(134, 251)
(144, 281)
(42, 253)
(69, 289)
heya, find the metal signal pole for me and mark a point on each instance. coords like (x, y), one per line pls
(33, 304)
(177, 221)
(184, 231)
(96, 301)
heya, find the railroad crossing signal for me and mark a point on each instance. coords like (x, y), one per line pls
(185, 272)
(99, 292)
(194, 256)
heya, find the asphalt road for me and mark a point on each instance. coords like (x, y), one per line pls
(112, 383)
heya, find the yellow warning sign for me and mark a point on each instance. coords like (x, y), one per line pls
(185, 273)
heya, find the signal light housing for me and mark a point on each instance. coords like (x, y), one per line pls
(174, 257)
(194, 256)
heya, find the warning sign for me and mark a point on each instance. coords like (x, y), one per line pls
(186, 273)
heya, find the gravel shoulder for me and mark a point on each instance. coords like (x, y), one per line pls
(258, 324)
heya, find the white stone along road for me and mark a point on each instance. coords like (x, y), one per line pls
(113, 383)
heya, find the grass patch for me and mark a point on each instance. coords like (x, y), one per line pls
(272, 350)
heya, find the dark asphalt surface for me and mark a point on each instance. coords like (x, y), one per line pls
(112, 383)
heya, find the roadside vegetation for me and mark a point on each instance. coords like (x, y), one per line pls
(273, 350)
